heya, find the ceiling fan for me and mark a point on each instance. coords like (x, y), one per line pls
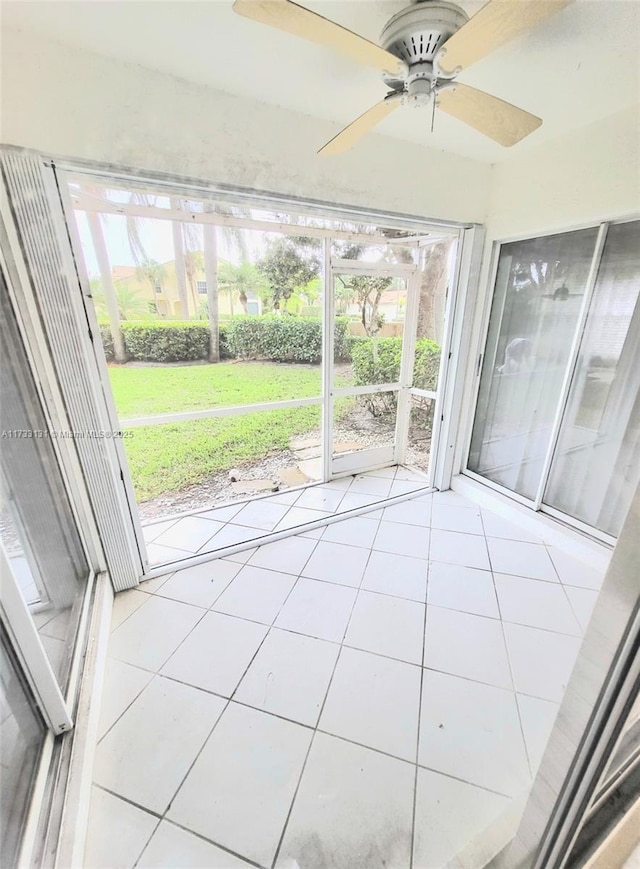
(423, 49)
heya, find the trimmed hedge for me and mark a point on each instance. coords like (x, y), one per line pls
(283, 339)
(377, 360)
(160, 342)
(279, 339)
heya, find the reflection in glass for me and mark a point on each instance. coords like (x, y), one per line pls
(421, 411)
(436, 270)
(21, 735)
(539, 289)
(628, 747)
(37, 526)
(596, 467)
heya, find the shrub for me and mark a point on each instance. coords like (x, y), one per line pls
(377, 360)
(342, 340)
(279, 339)
(283, 339)
(107, 341)
(166, 342)
(223, 341)
(427, 364)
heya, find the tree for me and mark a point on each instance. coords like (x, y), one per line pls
(179, 258)
(433, 290)
(210, 247)
(96, 226)
(288, 266)
(131, 305)
(366, 291)
(152, 271)
(239, 281)
(106, 283)
(193, 264)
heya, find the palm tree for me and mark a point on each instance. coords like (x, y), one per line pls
(94, 220)
(179, 255)
(233, 238)
(210, 246)
(239, 281)
(193, 263)
(96, 228)
(131, 305)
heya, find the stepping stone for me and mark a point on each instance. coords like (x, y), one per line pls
(292, 477)
(310, 453)
(296, 444)
(347, 447)
(312, 469)
(250, 487)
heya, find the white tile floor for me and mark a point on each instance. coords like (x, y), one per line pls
(373, 695)
(175, 539)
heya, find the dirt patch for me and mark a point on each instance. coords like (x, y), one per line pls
(358, 427)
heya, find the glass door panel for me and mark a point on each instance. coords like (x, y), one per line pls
(37, 525)
(595, 469)
(538, 295)
(22, 732)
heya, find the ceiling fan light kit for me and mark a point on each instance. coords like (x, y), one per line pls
(423, 48)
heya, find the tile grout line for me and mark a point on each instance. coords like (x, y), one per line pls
(566, 595)
(160, 819)
(230, 521)
(324, 702)
(333, 516)
(412, 842)
(511, 673)
(135, 805)
(298, 633)
(316, 728)
(230, 699)
(236, 854)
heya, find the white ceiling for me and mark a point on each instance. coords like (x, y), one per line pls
(578, 67)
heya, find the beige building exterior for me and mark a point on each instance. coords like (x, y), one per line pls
(163, 296)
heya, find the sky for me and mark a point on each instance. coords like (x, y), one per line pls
(157, 239)
(156, 233)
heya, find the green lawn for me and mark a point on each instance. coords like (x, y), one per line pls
(142, 390)
(164, 458)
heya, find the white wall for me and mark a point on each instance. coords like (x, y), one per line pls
(72, 103)
(585, 177)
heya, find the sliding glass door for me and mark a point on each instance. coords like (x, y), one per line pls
(539, 290)
(45, 578)
(596, 463)
(557, 419)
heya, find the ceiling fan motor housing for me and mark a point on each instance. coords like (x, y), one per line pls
(415, 35)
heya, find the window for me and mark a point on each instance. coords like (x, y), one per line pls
(201, 286)
(157, 287)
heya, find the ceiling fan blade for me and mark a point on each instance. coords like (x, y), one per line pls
(495, 24)
(500, 121)
(350, 135)
(299, 21)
